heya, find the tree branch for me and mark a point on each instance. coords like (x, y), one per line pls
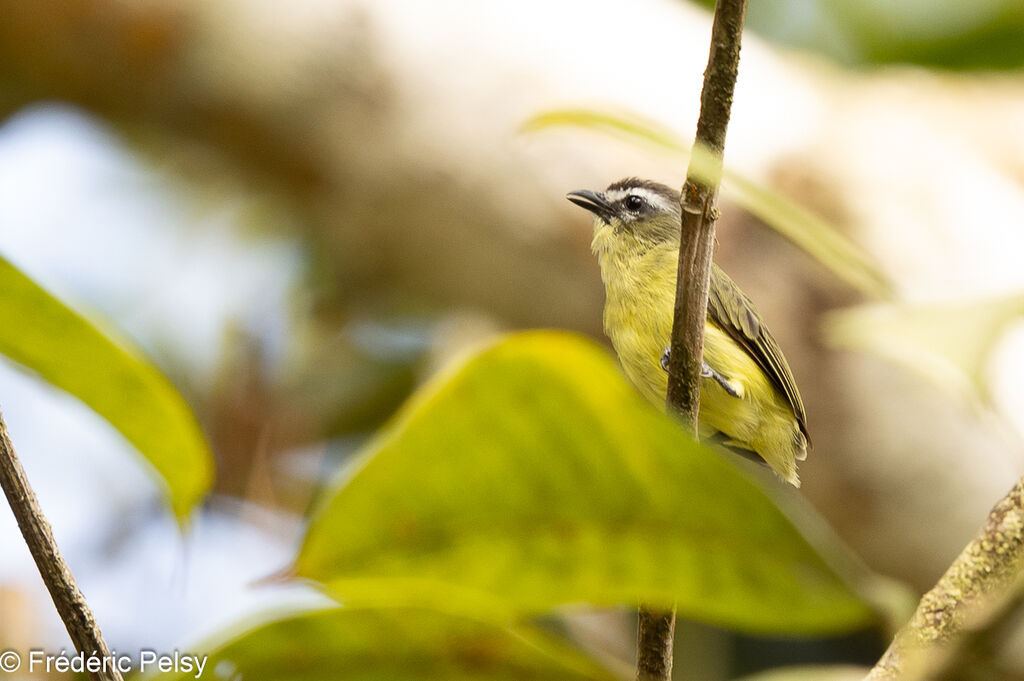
(655, 633)
(988, 569)
(699, 213)
(70, 603)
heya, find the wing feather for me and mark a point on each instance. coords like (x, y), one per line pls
(734, 312)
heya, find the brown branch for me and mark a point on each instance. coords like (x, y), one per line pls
(986, 571)
(70, 603)
(976, 648)
(655, 633)
(699, 213)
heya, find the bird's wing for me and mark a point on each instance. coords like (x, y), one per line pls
(730, 309)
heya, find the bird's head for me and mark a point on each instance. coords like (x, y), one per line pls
(631, 216)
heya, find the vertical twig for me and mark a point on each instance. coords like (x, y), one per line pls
(655, 633)
(70, 603)
(699, 214)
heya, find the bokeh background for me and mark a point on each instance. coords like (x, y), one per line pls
(301, 210)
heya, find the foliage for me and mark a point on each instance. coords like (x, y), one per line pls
(44, 336)
(533, 471)
(948, 343)
(396, 644)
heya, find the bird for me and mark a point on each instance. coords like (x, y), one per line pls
(747, 392)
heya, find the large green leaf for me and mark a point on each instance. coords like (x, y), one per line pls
(947, 343)
(40, 333)
(535, 472)
(394, 644)
(794, 222)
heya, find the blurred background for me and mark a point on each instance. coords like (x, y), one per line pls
(301, 210)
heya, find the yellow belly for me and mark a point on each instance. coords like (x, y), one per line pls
(760, 420)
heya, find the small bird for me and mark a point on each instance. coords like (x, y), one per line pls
(747, 390)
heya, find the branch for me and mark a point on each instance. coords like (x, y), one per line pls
(699, 213)
(988, 569)
(70, 603)
(976, 649)
(655, 634)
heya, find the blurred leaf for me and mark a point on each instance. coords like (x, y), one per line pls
(893, 601)
(535, 472)
(984, 34)
(812, 234)
(394, 644)
(949, 344)
(625, 126)
(830, 673)
(797, 224)
(40, 333)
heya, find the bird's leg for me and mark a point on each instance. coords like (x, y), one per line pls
(705, 372)
(727, 385)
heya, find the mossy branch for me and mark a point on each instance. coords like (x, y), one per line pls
(67, 598)
(978, 590)
(699, 213)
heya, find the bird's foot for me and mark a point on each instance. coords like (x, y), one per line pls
(706, 372)
(728, 386)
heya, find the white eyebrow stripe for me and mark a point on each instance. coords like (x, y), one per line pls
(653, 198)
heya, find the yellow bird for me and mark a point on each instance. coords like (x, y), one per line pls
(747, 390)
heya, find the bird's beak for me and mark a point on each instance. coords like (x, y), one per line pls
(592, 201)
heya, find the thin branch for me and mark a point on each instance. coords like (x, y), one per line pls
(987, 570)
(655, 633)
(70, 603)
(699, 213)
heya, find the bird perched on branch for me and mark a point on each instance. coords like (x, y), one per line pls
(747, 390)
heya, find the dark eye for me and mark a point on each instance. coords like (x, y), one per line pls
(633, 203)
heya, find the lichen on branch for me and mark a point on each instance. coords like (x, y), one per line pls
(984, 577)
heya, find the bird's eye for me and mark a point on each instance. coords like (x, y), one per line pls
(633, 203)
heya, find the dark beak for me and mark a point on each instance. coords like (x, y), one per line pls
(592, 201)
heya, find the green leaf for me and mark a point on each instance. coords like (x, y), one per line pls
(535, 473)
(800, 226)
(40, 333)
(623, 125)
(394, 644)
(947, 343)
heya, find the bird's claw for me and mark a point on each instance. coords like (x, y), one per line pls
(705, 372)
